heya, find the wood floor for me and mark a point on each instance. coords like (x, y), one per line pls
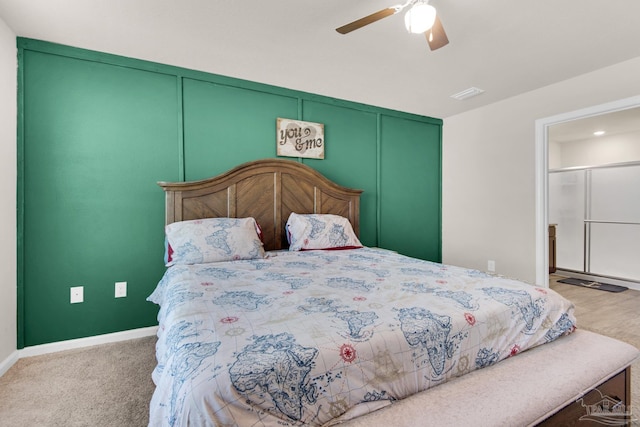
(616, 315)
(609, 313)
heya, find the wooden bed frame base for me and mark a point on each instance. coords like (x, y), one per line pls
(618, 389)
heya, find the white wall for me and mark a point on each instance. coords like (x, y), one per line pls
(620, 148)
(8, 173)
(555, 155)
(489, 169)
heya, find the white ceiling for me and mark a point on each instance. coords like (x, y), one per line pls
(505, 47)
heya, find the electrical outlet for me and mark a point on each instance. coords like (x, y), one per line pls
(77, 294)
(121, 289)
(491, 266)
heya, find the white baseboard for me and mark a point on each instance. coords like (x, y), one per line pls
(8, 362)
(37, 350)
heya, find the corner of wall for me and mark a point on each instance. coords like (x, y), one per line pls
(7, 363)
(8, 174)
(491, 199)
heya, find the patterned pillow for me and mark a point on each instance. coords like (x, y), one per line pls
(212, 240)
(320, 231)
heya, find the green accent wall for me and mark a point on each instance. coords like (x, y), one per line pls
(410, 175)
(97, 131)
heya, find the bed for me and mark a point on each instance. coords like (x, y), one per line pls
(251, 333)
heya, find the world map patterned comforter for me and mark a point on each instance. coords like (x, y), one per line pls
(313, 338)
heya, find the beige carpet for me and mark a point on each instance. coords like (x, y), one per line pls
(107, 385)
(110, 385)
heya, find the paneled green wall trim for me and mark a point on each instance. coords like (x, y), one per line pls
(97, 131)
(89, 55)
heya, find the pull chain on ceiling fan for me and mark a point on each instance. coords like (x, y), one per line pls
(420, 18)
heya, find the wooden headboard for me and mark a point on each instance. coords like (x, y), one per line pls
(268, 190)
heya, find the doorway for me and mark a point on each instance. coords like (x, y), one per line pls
(543, 127)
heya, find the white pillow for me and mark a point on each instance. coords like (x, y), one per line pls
(320, 231)
(208, 240)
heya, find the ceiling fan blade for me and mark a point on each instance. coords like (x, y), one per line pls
(436, 37)
(367, 20)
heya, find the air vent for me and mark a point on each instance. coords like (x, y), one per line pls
(467, 93)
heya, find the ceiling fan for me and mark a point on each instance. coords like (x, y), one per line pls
(421, 18)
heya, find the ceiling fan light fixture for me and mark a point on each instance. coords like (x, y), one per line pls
(420, 18)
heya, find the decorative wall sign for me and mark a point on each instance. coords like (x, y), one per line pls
(299, 139)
